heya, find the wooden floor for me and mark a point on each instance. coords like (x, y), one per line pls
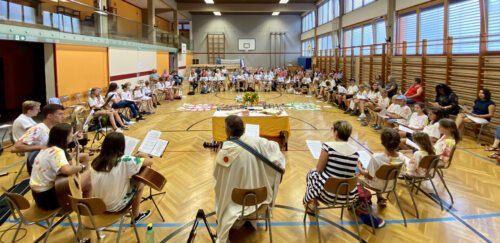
(472, 178)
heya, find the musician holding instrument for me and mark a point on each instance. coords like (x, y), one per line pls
(54, 160)
(112, 167)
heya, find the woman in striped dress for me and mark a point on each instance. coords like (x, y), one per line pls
(337, 159)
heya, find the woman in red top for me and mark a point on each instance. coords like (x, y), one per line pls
(415, 93)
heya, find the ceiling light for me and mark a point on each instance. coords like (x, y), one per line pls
(283, 1)
(276, 13)
(217, 14)
(209, 1)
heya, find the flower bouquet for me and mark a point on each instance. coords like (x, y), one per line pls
(250, 98)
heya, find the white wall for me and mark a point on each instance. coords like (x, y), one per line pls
(259, 27)
(130, 61)
(373, 10)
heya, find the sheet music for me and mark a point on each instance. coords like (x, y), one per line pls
(364, 158)
(159, 148)
(405, 129)
(130, 144)
(412, 144)
(252, 130)
(477, 120)
(86, 123)
(314, 147)
(150, 142)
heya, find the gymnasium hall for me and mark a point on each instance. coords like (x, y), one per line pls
(249, 121)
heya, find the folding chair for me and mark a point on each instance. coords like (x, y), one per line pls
(92, 215)
(428, 164)
(338, 187)
(388, 173)
(25, 213)
(252, 198)
(440, 172)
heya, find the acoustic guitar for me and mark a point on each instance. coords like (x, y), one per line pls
(69, 185)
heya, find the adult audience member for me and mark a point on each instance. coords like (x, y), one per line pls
(391, 87)
(337, 159)
(415, 93)
(446, 100)
(238, 168)
(51, 161)
(482, 111)
(494, 146)
(24, 121)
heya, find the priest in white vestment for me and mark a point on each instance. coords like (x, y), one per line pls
(235, 167)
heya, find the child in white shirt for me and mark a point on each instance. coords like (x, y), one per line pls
(425, 148)
(390, 141)
(24, 121)
(418, 120)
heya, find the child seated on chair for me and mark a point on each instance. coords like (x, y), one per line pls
(424, 143)
(448, 141)
(112, 167)
(390, 140)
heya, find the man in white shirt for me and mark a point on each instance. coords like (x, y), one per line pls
(36, 137)
(24, 121)
(231, 160)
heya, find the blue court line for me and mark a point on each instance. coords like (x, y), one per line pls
(445, 204)
(10, 166)
(294, 224)
(477, 155)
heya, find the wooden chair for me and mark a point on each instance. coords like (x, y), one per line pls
(155, 181)
(441, 167)
(253, 197)
(428, 164)
(92, 215)
(338, 187)
(29, 214)
(388, 173)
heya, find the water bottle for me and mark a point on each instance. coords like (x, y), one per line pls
(150, 235)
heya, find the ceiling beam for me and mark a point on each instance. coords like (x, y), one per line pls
(245, 7)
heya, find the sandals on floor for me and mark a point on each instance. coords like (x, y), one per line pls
(491, 149)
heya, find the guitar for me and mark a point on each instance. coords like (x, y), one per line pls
(69, 185)
(151, 178)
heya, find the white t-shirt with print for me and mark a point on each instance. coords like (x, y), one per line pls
(21, 125)
(432, 130)
(46, 167)
(122, 191)
(36, 135)
(416, 121)
(376, 162)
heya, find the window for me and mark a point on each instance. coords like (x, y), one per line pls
(407, 31)
(367, 38)
(15, 12)
(46, 19)
(324, 44)
(3, 9)
(29, 14)
(326, 12)
(356, 39)
(75, 22)
(493, 25)
(464, 25)
(56, 19)
(380, 35)
(308, 22)
(432, 28)
(350, 5)
(67, 23)
(336, 8)
(347, 41)
(308, 48)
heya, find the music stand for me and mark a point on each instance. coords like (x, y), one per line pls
(200, 215)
